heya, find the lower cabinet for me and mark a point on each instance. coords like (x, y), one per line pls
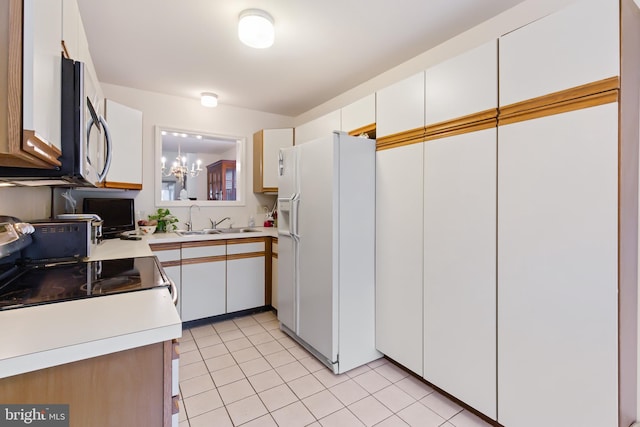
(245, 274)
(203, 279)
(170, 257)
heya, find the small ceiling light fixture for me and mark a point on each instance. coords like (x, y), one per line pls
(255, 28)
(209, 99)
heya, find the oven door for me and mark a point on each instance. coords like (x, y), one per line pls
(95, 150)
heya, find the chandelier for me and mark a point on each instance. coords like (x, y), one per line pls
(179, 168)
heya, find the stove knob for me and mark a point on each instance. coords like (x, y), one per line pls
(24, 228)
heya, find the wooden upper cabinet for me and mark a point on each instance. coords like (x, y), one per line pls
(266, 147)
(572, 47)
(30, 89)
(360, 117)
(463, 86)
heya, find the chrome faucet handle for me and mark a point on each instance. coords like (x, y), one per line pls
(189, 225)
(213, 223)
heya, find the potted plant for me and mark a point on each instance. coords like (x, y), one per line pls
(164, 220)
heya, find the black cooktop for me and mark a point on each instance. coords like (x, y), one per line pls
(42, 283)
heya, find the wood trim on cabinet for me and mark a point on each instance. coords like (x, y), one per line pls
(575, 98)
(204, 259)
(167, 382)
(174, 263)
(164, 246)
(471, 123)
(121, 185)
(243, 240)
(200, 243)
(231, 257)
(400, 139)
(368, 129)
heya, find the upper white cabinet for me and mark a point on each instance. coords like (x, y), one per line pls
(317, 128)
(72, 28)
(558, 270)
(125, 124)
(266, 147)
(400, 107)
(460, 267)
(359, 114)
(399, 248)
(463, 85)
(572, 47)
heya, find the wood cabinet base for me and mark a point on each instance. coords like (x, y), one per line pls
(118, 389)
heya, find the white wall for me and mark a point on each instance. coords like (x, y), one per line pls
(26, 203)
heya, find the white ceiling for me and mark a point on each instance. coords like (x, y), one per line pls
(322, 47)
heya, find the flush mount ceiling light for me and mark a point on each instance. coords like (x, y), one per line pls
(255, 28)
(209, 99)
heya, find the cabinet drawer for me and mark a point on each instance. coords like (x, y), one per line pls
(203, 249)
(170, 255)
(245, 246)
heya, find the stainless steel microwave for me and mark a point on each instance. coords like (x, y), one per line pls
(85, 138)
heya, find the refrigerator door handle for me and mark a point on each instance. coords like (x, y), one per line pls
(293, 222)
(280, 163)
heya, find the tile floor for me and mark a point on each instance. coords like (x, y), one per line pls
(246, 372)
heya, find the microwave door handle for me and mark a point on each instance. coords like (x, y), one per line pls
(107, 162)
(94, 115)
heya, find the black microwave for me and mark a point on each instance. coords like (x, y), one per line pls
(117, 214)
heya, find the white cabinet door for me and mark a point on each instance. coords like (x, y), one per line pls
(125, 125)
(266, 148)
(245, 283)
(574, 46)
(41, 89)
(175, 274)
(318, 128)
(359, 114)
(463, 85)
(400, 107)
(557, 270)
(460, 267)
(203, 289)
(399, 248)
(170, 257)
(71, 28)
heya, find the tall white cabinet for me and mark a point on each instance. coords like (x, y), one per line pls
(557, 269)
(399, 246)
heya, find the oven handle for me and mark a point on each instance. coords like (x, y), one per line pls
(174, 292)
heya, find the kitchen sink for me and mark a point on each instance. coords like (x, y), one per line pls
(235, 230)
(214, 231)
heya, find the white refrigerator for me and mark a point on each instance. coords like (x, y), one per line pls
(326, 248)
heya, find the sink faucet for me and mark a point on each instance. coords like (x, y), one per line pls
(189, 224)
(215, 224)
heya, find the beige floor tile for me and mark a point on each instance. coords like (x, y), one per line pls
(202, 331)
(255, 366)
(395, 421)
(217, 417)
(208, 340)
(328, 378)
(231, 335)
(312, 364)
(441, 405)
(220, 362)
(201, 403)
(190, 357)
(306, 386)
(370, 411)
(279, 358)
(261, 338)
(291, 371)
(322, 404)
(227, 375)
(342, 418)
(196, 385)
(192, 370)
(239, 344)
(414, 387)
(225, 326)
(265, 380)
(252, 330)
(391, 372)
(358, 371)
(269, 347)
(236, 391)
(277, 397)
(246, 354)
(274, 324)
(394, 398)
(372, 381)
(186, 346)
(182, 414)
(246, 410)
(213, 351)
(266, 316)
(287, 342)
(186, 336)
(348, 392)
(263, 421)
(245, 321)
(294, 415)
(419, 415)
(277, 333)
(378, 362)
(299, 352)
(467, 419)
